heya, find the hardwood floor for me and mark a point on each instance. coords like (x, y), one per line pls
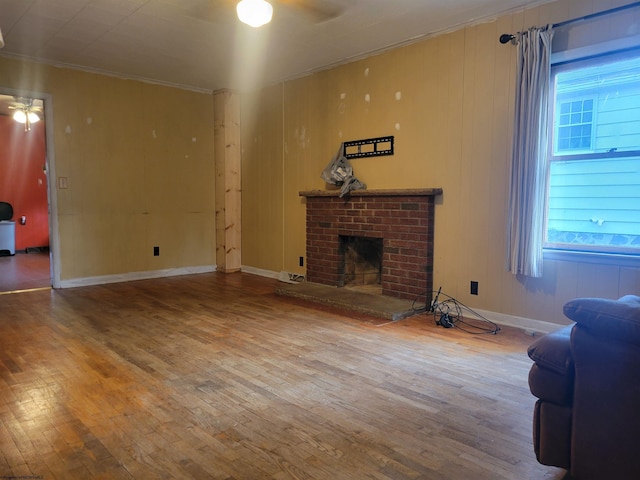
(214, 376)
(24, 271)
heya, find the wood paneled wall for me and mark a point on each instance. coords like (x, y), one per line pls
(448, 101)
(139, 164)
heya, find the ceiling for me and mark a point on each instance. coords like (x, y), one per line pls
(200, 44)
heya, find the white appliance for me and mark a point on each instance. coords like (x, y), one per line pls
(7, 230)
(7, 237)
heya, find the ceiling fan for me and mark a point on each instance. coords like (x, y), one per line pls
(254, 13)
(318, 10)
(26, 111)
(315, 11)
(259, 12)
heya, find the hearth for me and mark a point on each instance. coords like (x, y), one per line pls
(401, 221)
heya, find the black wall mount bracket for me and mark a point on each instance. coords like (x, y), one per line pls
(370, 147)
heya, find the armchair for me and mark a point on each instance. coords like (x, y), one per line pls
(586, 377)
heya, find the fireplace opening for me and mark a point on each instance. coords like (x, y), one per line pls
(362, 266)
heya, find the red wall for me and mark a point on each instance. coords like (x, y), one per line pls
(23, 182)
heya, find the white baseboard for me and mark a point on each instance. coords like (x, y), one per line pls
(283, 276)
(529, 325)
(130, 276)
(259, 271)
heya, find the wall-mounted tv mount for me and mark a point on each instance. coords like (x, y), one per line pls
(371, 147)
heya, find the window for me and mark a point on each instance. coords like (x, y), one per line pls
(594, 173)
(575, 121)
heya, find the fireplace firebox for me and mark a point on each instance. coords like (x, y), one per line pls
(361, 263)
(400, 221)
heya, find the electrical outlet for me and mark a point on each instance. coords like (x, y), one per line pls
(302, 261)
(156, 251)
(474, 288)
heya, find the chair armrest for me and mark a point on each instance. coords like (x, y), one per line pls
(553, 351)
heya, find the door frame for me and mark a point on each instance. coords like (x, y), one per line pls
(52, 197)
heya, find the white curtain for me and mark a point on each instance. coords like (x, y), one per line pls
(529, 168)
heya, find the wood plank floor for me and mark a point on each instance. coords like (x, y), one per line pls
(214, 376)
(24, 271)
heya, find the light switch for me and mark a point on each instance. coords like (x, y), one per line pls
(63, 182)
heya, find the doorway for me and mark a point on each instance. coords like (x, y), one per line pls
(24, 184)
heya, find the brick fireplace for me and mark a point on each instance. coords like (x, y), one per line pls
(402, 219)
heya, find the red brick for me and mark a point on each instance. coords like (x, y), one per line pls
(403, 222)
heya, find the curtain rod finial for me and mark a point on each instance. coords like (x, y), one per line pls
(506, 37)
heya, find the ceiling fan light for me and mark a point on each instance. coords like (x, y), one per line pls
(33, 117)
(19, 116)
(254, 13)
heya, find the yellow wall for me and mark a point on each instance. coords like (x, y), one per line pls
(449, 103)
(140, 168)
(263, 235)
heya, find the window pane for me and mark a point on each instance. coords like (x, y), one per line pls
(595, 203)
(575, 127)
(594, 198)
(605, 96)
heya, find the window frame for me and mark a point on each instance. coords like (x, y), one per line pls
(583, 252)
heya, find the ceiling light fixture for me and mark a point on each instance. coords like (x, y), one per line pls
(27, 116)
(254, 13)
(21, 116)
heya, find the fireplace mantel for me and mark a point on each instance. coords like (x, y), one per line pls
(403, 219)
(375, 193)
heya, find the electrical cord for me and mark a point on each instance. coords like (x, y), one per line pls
(449, 314)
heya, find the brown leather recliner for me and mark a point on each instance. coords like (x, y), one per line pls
(587, 379)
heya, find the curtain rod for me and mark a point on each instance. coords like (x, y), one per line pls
(508, 37)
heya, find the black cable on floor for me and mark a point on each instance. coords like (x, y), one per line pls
(449, 314)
